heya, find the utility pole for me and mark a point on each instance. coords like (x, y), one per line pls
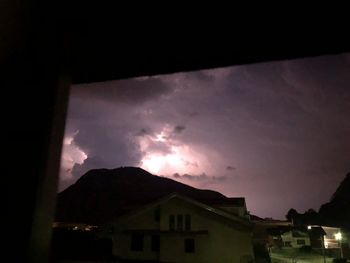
(338, 237)
(323, 248)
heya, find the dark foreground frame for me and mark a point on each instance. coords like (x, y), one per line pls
(42, 57)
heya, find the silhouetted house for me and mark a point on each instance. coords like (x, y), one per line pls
(179, 229)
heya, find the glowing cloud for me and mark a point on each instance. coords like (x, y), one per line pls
(71, 154)
(165, 155)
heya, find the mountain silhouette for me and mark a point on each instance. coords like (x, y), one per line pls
(337, 211)
(103, 194)
(334, 213)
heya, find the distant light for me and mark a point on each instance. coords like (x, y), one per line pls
(338, 236)
(75, 228)
(309, 227)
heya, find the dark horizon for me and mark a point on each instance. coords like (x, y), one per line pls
(275, 133)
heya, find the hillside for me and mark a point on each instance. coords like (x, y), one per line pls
(334, 213)
(337, 210)
(102, 194)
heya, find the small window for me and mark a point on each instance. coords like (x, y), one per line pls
(180, 222)
(136, 243)
(189, 245)
(172, 222)
(157, 214)
(187, 222)
(300, 241)
(155, 243)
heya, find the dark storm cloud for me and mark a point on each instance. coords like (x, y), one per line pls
(143, 132)
(176, 175)
(102, 136)
(106, 148)
(126, 91)
(278, 121)
(200, 177)
(179, 129)
(230, 168)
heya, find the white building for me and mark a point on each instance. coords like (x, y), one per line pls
(179, 229)
(333, 237)
(295, 239)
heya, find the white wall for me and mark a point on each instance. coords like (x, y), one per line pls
(223, 243)
(294, 240)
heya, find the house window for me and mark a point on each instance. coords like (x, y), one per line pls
(155, 243)
(136, 243)
(180, 222)
(300, 241)
(189, 245)
(157, 214)
(187, 222)
(172, 222)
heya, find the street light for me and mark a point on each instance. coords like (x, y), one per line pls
(339, 237)
(323, 248)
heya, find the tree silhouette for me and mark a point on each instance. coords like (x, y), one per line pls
(292, 214)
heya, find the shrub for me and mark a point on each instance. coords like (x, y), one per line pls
(339, 260)
(261, 253)
(306, 249)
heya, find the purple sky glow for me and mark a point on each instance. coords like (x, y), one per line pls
(276, 133)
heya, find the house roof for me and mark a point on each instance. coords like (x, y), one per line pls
(231, 201)
(298, 233)
(277, 231)
(236, 220)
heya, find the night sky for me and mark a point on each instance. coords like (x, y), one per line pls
(276, 133)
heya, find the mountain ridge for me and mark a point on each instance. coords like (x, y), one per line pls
(337, 210)
(102, 194)
(334, 213)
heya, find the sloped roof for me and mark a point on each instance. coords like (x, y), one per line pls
(236, 220)
(231, 201)
(277, 231)
(298, 233)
